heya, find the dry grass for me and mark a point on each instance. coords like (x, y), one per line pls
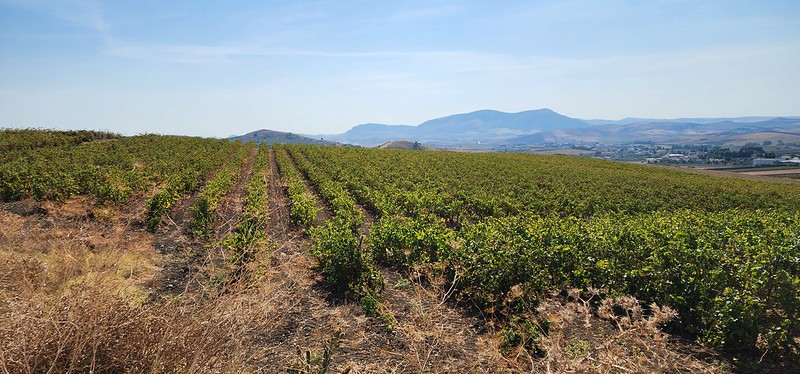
(612, 335)
(73, 299)
(87, 330)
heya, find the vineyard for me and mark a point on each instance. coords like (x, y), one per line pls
(173, 254)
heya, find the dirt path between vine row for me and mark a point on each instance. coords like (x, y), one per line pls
(232, 205)
(278, 203)
(304, 321)
(186, 259)
(177, 249)
(427, 335)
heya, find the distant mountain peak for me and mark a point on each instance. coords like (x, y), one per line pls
(483, 125)
(272, 137)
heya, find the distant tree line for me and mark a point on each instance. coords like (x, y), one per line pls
(747, 151)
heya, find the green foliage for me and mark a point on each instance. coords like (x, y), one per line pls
(60, 166)
(522, 332)
(732, 276)
(464, 186)
(206, 205)
(303, 206)
(403, 242)
(303, 210)
(335, 195)
(159, 203)
(347, 269)
(18, 142)
(507, 228)
(181, 168)
(250, 233)
(243, 242)
(255, 204)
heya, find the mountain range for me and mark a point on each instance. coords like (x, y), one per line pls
(486, 128)
(483, 126)
(730, 131)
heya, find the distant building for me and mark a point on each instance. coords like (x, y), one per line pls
(676, 157)
(766, 161)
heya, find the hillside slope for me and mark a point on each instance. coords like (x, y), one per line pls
(272, 137)
(726, 132)
(406, 145)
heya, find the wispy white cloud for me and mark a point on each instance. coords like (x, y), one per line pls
(199, 53)
(175, 53)
(85, 13)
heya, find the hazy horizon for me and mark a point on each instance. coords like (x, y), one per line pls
(321, 67)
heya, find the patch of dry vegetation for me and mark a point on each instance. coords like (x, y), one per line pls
(590, 333)
(86, 329)
(74, 298)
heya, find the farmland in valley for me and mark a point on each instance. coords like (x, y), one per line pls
(172, 254)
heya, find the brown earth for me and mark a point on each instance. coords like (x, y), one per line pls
(772, 172)
(231, 207)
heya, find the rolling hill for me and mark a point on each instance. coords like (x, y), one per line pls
(725, 132)
(272, 137)
(406, 145)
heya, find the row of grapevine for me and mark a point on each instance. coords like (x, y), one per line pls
(732, 276)
(725, 255)
(183, 172)
(214, 190)
(338, 248)
(340, 202)
(16, 142)
(472, 186)
(303, 207)
(251, 229)
(108, 171)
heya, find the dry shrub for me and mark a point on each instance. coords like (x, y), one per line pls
(613, 334)
(89, 329)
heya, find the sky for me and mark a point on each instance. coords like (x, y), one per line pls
(219, 68)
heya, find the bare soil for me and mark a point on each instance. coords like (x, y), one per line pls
(772, 172)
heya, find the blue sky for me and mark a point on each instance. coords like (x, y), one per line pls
(216, 68)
